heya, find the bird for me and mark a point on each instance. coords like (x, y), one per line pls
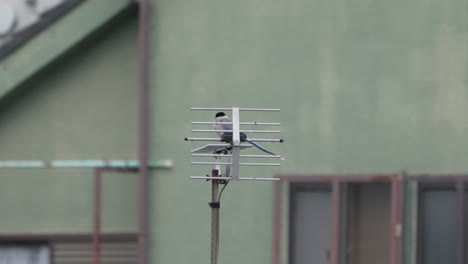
(221, 118)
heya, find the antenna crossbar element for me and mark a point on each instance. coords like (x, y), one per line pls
(232, 163)
(240, 123)
(231, 109)
(253, 139)
(243, 131)
(229, 178)
(242, 156)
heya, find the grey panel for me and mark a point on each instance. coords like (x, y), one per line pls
(311, 233)
(438, 231)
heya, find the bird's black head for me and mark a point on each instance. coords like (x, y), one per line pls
(220, 114)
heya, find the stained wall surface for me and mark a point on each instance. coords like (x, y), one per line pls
(363, 85)
(82, 107)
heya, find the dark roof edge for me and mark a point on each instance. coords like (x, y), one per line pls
(20, 38)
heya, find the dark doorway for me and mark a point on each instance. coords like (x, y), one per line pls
(368, 207)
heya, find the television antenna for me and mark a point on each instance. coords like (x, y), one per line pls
(226, 152)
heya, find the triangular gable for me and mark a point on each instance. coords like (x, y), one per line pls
(55, 40)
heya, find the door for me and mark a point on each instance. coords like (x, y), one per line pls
(311, 219)
(438, 226)
(368, 223)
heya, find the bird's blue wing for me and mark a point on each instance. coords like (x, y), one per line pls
(226, 126)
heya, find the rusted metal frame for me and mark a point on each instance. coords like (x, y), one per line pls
(336, 180)
(461, 243)
(143, 133)
(96, 235)
(455, 180)
(276, 222)
(345, 214)
(395, 222)
(291, 197)
(403, 216)
(419, 228)
(66, 237)
(437, 177)
(336, 221)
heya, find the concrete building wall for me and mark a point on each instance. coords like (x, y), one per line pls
(83, 106)
(364, 86)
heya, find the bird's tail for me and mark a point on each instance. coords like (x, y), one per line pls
(261, 148)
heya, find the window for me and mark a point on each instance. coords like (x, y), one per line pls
(24, 254)
(114, 248)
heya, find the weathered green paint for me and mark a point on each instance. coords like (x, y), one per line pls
(363, 85)
(56, 40)
(83, 106)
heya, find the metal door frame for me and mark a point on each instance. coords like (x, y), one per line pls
(456, 182)
(395, 181)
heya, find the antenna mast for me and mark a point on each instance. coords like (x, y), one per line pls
(228, 148)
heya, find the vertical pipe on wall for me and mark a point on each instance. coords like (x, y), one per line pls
(143, 134)
(97, 216)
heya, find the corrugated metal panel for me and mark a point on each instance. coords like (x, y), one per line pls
(82, 252)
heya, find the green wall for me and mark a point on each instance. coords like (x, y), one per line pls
(83, 106)
(364, 86)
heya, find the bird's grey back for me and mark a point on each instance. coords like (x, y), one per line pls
(220, 126)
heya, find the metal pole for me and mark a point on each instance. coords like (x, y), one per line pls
(214, 218)
(97, 217)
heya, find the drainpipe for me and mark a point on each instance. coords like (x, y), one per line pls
(97, 216)
(143, 198)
